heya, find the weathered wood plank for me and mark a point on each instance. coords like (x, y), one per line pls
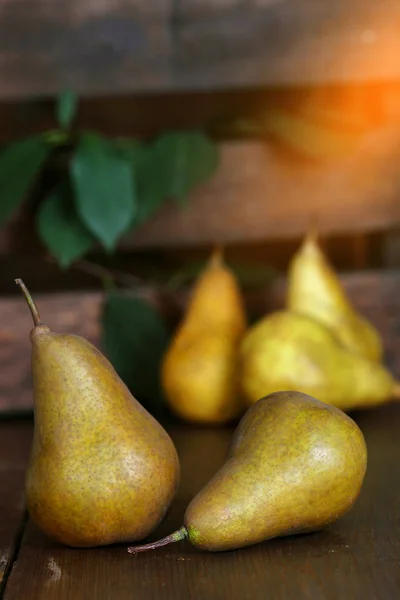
(357, 557)
(15, 441)
(257, 196)
(118, 46)
(376, 294)
(287, 42)
(90, 47)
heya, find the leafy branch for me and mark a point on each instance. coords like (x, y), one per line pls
(110, 186)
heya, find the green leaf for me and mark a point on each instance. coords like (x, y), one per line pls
(60, 228)
(104, 187)
(66, 108)
(127, 148)
(151, 183)
(19, 164)
(135, 339)
(184, 160)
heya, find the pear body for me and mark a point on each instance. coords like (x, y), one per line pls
(102, 470)
(295, 465)
(315, 291)
(200, 368)
(286, 350)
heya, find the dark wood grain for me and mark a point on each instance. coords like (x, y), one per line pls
(356, 558)
(15, 441)
(126, 46)
(376, 294)
(145, 115)
(46, 47)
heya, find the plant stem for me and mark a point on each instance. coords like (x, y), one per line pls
(105, 274)
(32, 306)
(178, 535)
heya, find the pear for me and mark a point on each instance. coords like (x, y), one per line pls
(286, 350)
(200, 368)
(315, 290)
(102, 470)
(295, 466)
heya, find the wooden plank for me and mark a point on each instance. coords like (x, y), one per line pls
(90, 47)
(118, 46)
(376, 294)
(15, 439)
(256, 196)
(356, 558)
(286, 42)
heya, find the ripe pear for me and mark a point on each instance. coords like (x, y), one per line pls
(102, 470)
(285, 350)
(295, 465)
(200, 368)
(315, 290)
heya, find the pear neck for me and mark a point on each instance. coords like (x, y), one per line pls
(217, 257)
(32, 306)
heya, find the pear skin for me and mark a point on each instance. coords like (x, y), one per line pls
(315, 291)
(295, 465)
(102, 470)
(200, 368)
(286, 350)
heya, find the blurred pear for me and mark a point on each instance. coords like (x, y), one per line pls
(200, 368)
(314, 290)
(285, 350)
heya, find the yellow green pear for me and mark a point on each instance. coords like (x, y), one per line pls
(200, 368)
(285, 350)
(102, 470)
(315, 290)
(295, 465)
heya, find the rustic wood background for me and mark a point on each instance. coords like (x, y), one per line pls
(255, 196)
(354, 191)
(187, 62)
(163, 45)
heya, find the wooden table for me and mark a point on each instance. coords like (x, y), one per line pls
(357, 558)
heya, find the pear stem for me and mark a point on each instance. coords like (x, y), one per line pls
(32, 306)
(217, 256)
(178, 535)
(313, 234)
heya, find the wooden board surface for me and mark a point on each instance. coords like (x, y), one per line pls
(376, 294)
(356, 558)
(14, 450)
(123, 46)
(256, 195)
